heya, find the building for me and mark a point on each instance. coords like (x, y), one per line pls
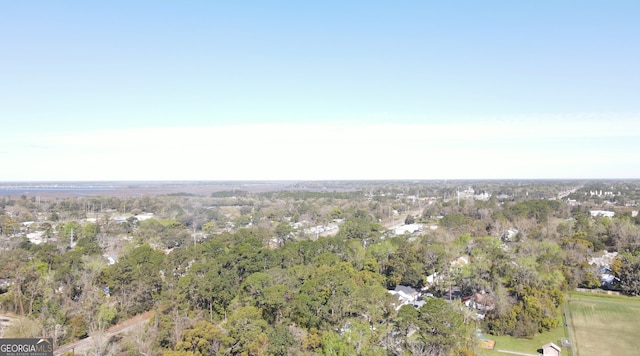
(603, 213)
(460, 261)
(551, 349)
(5, 283)
(406, 296)
(144, 216)
(408, 229)
(480, 302)
(603, 265)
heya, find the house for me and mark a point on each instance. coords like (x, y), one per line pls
(467, 193)
(5, 283)
(110, 260)
(551, 349)
(37, 237)
(431, 279)
(510, 234)
(460, 261)
(435, 277)
(481, 302)
(406, 296)
(603, 213)
(408, 229)
(484, 196)
(603, 265)
(144, 216)
(275, 242)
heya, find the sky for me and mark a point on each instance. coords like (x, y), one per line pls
(300, 90)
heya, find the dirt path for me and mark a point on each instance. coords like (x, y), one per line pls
(516, 353)
(5, 321)
(81, 347)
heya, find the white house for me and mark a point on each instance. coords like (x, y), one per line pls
(145, 216)
(603, 213)
(37, 237)
(406, 296)
(410, 229)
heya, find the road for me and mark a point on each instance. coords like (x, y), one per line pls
(399, 220)
(517, 353)
(81, 347)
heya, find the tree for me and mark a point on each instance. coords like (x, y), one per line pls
(406, 320)
(135, 279)
(626, 268)
(8, 225)
(203, 339)
(280, 340)
(77, 328)
(248, 331)
(326, 298)
(105, 317)
(208, 286)
(360, 226)
(70, 233)
(409, 220)
(440, 327)
(90, 231)
(283, 230)
(454, 222)
(254, 285)
(334, 345)
(275, 300)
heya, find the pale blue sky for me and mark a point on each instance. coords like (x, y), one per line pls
(327, 90)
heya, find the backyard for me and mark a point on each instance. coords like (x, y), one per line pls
(526, 346)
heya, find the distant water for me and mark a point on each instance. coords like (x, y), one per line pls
(132, 188)
(46, 188)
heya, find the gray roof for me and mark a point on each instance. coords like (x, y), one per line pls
(406, 290)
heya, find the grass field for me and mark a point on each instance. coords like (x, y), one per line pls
(604, 324)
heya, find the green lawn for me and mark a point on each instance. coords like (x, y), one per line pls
(604, 324)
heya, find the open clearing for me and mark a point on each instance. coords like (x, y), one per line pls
(604, 324)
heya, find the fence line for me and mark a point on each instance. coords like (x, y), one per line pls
(568, 322)
(598, 291)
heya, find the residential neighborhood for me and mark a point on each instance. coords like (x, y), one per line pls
(333, 263)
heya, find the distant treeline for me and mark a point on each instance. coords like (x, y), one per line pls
(303, 194)
(230, 194)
